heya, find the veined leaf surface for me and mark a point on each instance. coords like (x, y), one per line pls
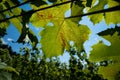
(55, 14)
(56, 39)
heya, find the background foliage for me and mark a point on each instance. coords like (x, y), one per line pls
(56, 34)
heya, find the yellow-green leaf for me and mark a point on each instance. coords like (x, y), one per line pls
(52, 41)
(55, 14)
(55, 39)
(111, 72)
(76, 33)
(102, 52)
(96, 18)
(76, 10)
(112, 17)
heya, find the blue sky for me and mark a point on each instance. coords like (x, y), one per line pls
(13, 35)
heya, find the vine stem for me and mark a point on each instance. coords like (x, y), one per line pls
(33, 11)
(96, 12)
(14, 6)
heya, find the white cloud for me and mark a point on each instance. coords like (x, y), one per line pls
(10, 39)
(26, 39)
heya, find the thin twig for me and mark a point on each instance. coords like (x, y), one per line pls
(96, 12)
(15, 6)
(33, 11)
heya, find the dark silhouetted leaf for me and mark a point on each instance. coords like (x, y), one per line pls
(15, 1)
(26, 17)
(1, 7)
(33, 39)
(7, 4)
(110, 31)
(2, 32)
(52, 1)
(89, 3)
(23, 35)
(38, 2)
(0, 0)
(79, 3)
(117, 0)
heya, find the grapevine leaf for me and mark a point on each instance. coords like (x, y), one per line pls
(56, 38)
(76, 33)
(80, 3)
(76, 10)
(23, 35)
(108, 53)
(89, 3)
(96, 18)
(112, 17)
(13, 12)
(113, 70)
(15, 2)
(41, 18)
(33, 38)
(3, 24)
(2, 32)
(51, 41)
(38, 2)
(26, 17)
(117, 0)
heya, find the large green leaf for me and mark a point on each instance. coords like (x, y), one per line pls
(51, 41)
(76, 10)
(102, 52)
(113, 70)
(112, 17)
(96, 18)
(55, 14)
(55, 39)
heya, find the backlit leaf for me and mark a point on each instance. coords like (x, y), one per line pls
(96, 18)
(102, 52)
(56, 39)
(52, 41)
(76, 10)
(112, 17)
(113, 70)
(41, 18)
